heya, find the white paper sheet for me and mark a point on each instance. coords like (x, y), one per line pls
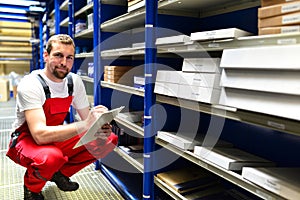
(104, 118)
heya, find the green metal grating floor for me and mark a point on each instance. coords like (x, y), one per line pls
(93, 184)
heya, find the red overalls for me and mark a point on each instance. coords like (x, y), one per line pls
(42, 161)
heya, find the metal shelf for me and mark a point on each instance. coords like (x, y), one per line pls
(138, 164)
(228, 175)
(207, 8)
(129, 51)
(192, 8)
(65, 5)
(137, 129)
(15, 39)
(13, 54)
(84, 9)
(84, 55)
(123, 88)
(65, 22)
(91, 5)
(88, 33)
(268, 121)
(87, 79)
(208, 46)
(13, 49)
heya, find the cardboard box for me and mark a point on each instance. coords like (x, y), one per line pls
(282, 20)
(4, 90)
(282, 181)
(219, 34)
(263, 57)
(274, 2)
(279, 30)
(230, 158)
(197, 65)
(279, 9)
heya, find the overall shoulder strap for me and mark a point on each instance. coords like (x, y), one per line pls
(70, 84)
(45, 86)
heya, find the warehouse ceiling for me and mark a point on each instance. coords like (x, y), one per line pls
(21, 10)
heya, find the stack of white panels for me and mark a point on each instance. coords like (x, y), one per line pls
(230, 158)
(172, 40)
(282, 181)
(226, 33)
(196, 86)
(186, 142)
(262, 79)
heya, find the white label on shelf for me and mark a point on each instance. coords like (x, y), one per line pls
(213, 45)
(287, 41)
(272, 184)
(291, 19)
(290, 8)
(290, 29)
(276, 125)
(264, 195)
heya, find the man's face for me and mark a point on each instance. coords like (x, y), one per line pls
(60, 60)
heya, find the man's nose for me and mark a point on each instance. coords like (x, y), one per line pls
(63, 61)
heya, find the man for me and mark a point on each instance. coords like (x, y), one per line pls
(42, 142)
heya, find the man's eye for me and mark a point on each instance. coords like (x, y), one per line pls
(58, 55)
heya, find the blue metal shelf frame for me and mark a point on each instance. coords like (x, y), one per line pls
(41, 25)
(149, 99)
(97, 59)
(57, 16)
(71, 28)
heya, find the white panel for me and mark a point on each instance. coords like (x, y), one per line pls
(267, 57)
(287, 106)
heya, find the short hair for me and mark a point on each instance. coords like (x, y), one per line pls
(62, 38)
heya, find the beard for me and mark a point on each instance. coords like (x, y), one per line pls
(59, 74)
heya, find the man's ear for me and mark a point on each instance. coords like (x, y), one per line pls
(45, 55)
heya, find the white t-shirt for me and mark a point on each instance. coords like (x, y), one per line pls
(31, 95)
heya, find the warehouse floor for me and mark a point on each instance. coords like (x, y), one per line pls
(93, 185)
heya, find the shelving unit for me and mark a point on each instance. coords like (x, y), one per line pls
(18, 35)
(111, 20)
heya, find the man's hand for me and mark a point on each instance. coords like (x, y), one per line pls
(104, 132)
(92, 117)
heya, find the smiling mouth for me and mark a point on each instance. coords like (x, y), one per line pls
(62, 69)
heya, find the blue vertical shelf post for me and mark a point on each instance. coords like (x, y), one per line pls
(71, 33)
(57, 16)
(149, 100)
(41, 58)
(71, 18)
(33, 63)
(47, 19)
(97, 58)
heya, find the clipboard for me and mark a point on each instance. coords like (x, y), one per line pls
(103, 118)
